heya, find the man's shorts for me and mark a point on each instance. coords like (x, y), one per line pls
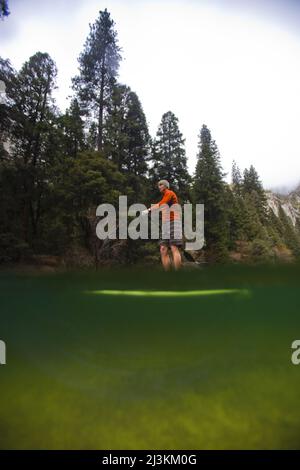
(172, 236)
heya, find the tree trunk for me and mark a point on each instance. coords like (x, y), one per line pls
(101, 108)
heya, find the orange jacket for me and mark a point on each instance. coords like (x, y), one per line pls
(169, 198)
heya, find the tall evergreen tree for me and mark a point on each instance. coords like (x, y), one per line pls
(91, 139)
(32, 147)
(236, 178)
(253, 225)
(290, 234)
(209, 189)
(252, 181)
(115, 139)
(126, 139)
(169, 157)
(98, 69)
(72, 126)
(136, 129)
(236, 206)
(253, 186)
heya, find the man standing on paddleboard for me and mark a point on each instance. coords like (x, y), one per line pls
(171, 233)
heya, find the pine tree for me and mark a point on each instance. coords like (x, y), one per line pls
(252, 181)
(253, 186)
(290, 234)
(91, 139)
(115, 138)
(253, 227)
(275, 228)
(236, 206)
(126, 139)
(32, 146)
(136, 129)
(77, 186)
(72, 126)
(209, 189)
(98, 69)
(237, 180)
(168, 156)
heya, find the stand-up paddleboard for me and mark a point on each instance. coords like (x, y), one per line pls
(164, 293)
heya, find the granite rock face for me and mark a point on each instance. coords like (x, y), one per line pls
(290, 203)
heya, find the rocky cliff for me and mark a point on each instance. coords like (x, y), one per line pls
(290, 203)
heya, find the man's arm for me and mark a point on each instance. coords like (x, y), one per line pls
(165, 199)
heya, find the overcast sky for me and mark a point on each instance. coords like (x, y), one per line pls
(231, 64)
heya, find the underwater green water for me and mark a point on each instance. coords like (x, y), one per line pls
(114, 371)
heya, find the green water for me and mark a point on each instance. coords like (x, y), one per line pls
(120, 371)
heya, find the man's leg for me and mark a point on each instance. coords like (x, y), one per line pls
(176, 256)
(165, 258)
